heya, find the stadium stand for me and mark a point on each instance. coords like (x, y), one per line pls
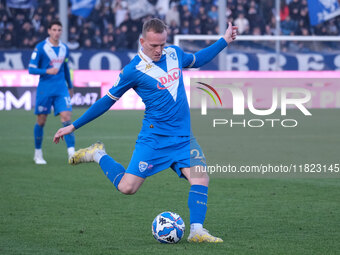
(110, 26)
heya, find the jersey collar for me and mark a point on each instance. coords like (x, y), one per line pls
(50, 44)
(144, 57)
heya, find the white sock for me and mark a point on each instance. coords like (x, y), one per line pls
(70, 151)
(195, 226)
(98, 155)
(38, 152)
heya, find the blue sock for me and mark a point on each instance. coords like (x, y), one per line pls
(38, 135)
(69, 139)
(112, 169)
(197, 202)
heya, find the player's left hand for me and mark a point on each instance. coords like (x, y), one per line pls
(230, 33)
(63, 131)
(71, 92)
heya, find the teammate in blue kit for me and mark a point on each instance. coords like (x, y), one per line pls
(49, 60)
(165, 139)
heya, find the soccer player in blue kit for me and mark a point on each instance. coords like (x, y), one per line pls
(49, 60)
(165, 139)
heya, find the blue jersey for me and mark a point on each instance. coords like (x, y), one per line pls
(160, 85)
(46, 56)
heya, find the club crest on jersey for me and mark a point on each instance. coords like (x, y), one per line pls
(173, 55)
(169, 79)
(143, 166)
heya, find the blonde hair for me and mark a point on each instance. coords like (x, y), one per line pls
(154, 25)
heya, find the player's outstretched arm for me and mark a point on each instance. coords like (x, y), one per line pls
(97, 109)
(62, 132)
(204, 56)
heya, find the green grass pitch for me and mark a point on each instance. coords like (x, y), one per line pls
(63, 209)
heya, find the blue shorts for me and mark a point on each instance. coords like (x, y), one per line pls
(154, 153)
(60, 104)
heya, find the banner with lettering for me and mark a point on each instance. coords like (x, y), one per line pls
(236, 60)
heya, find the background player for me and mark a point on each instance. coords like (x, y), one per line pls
(165, 139)
(49, 60)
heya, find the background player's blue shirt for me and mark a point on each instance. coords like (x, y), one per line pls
(46, 56)
(160, 85)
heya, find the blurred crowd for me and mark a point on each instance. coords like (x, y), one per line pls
(23, 28)
(110, 26)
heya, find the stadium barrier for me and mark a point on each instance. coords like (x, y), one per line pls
(241, 56)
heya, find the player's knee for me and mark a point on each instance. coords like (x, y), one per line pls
(41, 122)
(203, 180)
(127, 189)
(199, 178)
(65, 118)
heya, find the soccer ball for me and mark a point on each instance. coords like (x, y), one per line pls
(168, 227)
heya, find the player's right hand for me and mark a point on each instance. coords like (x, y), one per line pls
(61, 132)
(52, 71)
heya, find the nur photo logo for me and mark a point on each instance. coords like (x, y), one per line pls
(239, 98)
(204, 99)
